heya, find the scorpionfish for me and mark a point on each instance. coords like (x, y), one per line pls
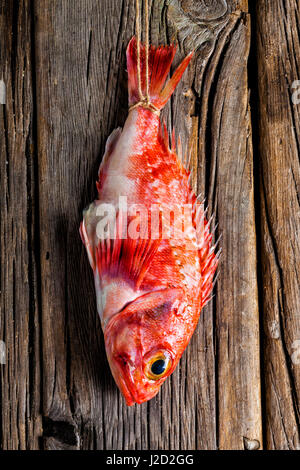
(148, 240)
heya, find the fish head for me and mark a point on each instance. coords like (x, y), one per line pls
(144, 343)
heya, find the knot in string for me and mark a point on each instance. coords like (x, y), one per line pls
(147, 105)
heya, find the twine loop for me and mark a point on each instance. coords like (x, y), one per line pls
(144, 101)
(146, 105)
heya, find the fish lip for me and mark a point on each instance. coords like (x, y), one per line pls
(126, 386)
(134, 398)
(121, 382)
(126, 392)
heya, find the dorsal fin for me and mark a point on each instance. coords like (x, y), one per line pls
(208, 257)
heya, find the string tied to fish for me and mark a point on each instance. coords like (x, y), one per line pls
(144, 101)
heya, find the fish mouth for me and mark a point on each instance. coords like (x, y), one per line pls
(134, 397)
(120, 380)
(125, 390)
(134, 386)
(127, 387)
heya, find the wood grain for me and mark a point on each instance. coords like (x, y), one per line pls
(278, 52)
(63, 64)
(232, 193)
(19, 321)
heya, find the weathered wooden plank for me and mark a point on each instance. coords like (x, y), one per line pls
(19, 323)
(278, 55)
(237, 307)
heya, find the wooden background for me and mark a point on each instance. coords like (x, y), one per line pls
(63, 66)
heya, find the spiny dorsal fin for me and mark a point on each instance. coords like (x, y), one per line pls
(208, 257)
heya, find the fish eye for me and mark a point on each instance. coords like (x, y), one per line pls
(158, 365)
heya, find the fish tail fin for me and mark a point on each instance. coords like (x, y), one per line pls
(159, 64)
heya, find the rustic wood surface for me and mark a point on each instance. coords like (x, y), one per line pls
(64, 70)
(278, 52)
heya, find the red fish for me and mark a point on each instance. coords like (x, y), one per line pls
(147, 238)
